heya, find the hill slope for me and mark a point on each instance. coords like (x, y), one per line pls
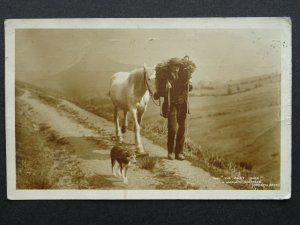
(241, 128)
(86, 78)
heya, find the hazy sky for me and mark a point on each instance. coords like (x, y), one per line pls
(218, 54)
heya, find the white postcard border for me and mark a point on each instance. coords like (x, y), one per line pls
(284, 24)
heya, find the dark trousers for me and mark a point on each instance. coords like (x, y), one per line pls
(176, 128)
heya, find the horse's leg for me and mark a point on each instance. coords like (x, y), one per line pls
(138, 141)
(118, 130)
(140, 115)
(125, 122)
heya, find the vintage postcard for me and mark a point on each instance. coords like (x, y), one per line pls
(189, 108)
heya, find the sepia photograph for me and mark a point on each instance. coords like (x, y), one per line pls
(148, 108)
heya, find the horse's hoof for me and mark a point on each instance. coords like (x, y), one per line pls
(141, 154)
(120, 139)
(139, 150)
(123, 129)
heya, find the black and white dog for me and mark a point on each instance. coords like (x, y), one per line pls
(124, 158)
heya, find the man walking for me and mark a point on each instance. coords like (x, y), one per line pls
(178, 85)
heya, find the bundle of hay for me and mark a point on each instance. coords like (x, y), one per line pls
(163, 71)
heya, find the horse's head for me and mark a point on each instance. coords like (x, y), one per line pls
(150, 77)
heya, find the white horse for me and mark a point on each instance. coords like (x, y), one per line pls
(131, 92)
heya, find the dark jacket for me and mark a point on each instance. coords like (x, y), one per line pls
(179, 89)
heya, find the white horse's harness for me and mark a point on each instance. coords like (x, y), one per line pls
(149, 89)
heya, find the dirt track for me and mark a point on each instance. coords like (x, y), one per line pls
(91, 138)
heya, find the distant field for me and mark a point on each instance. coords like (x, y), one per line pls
(213, 88)
(244, 127)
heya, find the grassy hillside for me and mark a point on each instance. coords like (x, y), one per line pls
(231, 134)
(242, 128)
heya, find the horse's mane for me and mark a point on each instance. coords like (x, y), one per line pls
(137, 75)
(136, 78)
(137, 71)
